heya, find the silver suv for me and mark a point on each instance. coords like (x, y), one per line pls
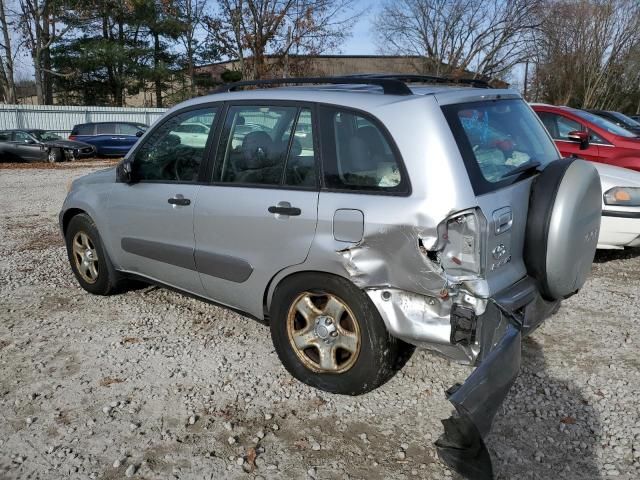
(359, 219)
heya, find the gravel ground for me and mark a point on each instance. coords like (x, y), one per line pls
(152, 384)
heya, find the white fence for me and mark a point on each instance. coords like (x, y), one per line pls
(61, 119)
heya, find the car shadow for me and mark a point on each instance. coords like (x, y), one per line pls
(546, 428)
(604, 256)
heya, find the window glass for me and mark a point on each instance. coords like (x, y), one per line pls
(167, 155)
(126, 129)
(301, 164)
(21, 137)
(565, 126)
(256, 141)
(357, 155)
(86, 129)
(499, 137)
(105, 129)
(595, 138)
(5, 136)
(603, 123)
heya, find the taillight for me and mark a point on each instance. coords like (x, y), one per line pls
(460, 242)
(72, 137)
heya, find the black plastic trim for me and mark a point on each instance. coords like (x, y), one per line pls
(619, 214)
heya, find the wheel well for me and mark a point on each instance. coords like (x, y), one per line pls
(68, 215)
(265, 300)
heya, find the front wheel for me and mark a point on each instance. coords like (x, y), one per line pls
(329, 335)
(55, 155)
(88, 258)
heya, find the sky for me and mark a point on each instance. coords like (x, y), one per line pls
(361, 41)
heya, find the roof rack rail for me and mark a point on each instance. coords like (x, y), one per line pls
(415, 78)
(390, 86)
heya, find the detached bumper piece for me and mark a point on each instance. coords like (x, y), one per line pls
(476, 402)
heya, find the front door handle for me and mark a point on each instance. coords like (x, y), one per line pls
(285, 209)
(179, 200)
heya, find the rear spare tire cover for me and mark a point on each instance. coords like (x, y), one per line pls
(563, 226)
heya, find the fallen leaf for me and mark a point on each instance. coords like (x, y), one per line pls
(130, 340)
(106, 381)
(251, 458)
(568, 420)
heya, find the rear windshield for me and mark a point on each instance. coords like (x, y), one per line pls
(603, 123)
(498, 140)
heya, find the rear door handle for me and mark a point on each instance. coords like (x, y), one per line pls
(179, 200)
(285, 208)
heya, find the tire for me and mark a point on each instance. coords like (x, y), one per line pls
(101, 279)
(565, 209)
(377, 357)
(55, 155)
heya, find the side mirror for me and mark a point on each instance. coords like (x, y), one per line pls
(580, 137)
(139, 133)
(29, 141)
(124, 172)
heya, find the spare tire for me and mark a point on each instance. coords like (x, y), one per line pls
(565, 208)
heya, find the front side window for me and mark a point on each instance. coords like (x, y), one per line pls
(499, 139)
(127, 129)
(357, 154)
(165, 156)
(267, 145)
(559, 126)
(22, 137)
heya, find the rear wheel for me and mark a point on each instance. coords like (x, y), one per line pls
(329, 335)
(88, 258)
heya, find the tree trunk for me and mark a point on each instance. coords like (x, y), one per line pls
(6, 67)
(156, 64)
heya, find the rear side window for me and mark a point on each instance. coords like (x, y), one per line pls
(499, 140)
(106, 129)
(87, 129)
(357, 154)
(5, 136)
(267, 145)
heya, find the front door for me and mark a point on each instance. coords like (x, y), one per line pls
(26, 147)
(151, 221)
(559, 127)
(259, 215)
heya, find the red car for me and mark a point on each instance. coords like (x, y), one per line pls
(589, 136)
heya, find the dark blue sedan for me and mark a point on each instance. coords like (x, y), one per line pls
(109, 138)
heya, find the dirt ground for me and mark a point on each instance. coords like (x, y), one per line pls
(152, 384)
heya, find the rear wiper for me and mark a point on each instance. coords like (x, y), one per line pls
(525, 167)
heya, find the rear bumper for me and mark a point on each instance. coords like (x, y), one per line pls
(619, 229)
(496, 349)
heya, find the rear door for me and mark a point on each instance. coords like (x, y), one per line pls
(151, 221)
(259, 214)
(107, 140)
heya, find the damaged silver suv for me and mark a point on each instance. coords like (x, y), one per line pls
(359, 217)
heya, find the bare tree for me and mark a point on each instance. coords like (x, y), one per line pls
(7, 82)
(251, 30)
(588, 54)
(40, 29)
(191, 13)
(489, 37)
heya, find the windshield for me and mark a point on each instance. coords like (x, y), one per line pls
(628, 121)
(498, 140)
(44, 136)
(604, 123)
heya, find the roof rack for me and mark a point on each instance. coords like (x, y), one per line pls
(390, 86)
(414, 78)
